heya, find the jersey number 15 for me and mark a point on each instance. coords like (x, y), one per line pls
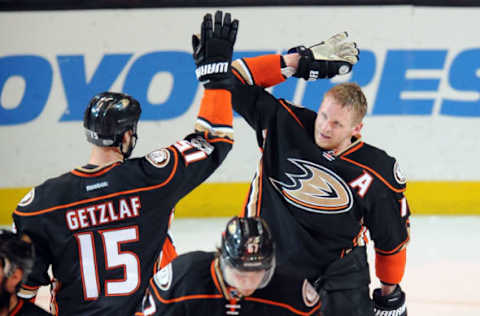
(114, 259)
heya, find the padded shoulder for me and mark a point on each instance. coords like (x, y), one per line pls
(379, 163)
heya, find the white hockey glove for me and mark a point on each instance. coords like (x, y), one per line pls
(326, 59)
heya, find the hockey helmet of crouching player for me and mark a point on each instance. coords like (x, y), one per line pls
(247, 245)
(15, 253)
(108, 116)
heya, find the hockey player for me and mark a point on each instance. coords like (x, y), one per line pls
(16, 261)
(239, 279)
(103, 227)
(319, 186)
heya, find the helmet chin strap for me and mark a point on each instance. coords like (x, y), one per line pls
(131, 145)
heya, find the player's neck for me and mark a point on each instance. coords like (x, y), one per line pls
(344, 145)
(101, 156)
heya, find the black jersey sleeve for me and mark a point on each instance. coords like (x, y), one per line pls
(388, 223)
(382, 186)
(33, 227)
(249, 98)
(188, 162)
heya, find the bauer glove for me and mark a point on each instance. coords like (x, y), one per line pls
(213, 49)
(392, 304)
(326, 59)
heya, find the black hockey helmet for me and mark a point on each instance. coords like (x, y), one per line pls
(108, 116)
(247, 244)
(15, 252)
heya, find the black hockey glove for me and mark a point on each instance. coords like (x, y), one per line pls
(213, 49)
(390, 305)
(326, 59)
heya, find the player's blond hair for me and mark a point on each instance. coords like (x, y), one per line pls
(350, 94)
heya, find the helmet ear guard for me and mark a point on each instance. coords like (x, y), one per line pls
(108, 116)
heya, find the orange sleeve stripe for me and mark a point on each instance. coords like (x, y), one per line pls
(291, 113)
(290, 308)
(390, 269)
(396, 249)
(153, 187)
(223, 140)
(216, 107)
(265, 70)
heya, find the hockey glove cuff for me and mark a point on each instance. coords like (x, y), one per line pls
(392, 304)
(326, 59)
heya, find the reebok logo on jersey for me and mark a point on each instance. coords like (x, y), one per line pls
(211, 69)
(96, 186)
(315, 189)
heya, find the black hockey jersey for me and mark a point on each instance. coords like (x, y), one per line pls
(103, 229)
(193, 285)
(318, 204)
(25, 308)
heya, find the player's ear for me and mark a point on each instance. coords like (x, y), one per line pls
(14, 279)
(357, 128)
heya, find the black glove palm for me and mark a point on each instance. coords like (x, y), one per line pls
(212, 51)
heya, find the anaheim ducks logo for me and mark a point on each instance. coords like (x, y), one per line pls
(317, 189)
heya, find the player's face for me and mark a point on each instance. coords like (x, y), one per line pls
(246, 282)
(335, 125)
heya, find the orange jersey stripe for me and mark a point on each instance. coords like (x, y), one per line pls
(260, 189)
(96, 174)
(30, 288)
(265, 70)
(375, 173)
(17, 308)
(153, 187)
(182, 298)
(237, 74)
(351, 150)
(214, 277)
(216, 107)
(291, 113)
(290, 308)
(390, 269)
